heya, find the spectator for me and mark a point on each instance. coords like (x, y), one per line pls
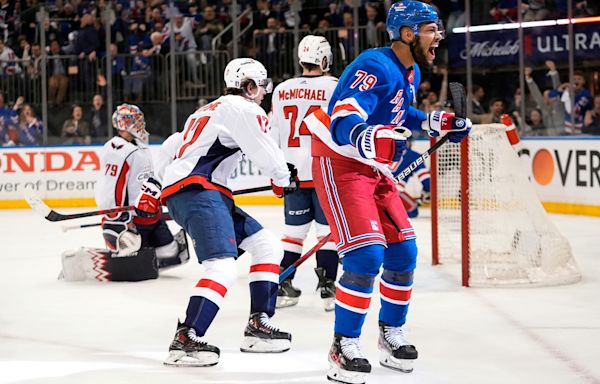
(185, 43)
(208, 29)
(497, 107)
(137, 36)
(262, 14)
(33, 61)
(536, 10)
(139, 71)
(592, 119)
(271, 47)
(58, 81)
(374, 27)
(87, 42)
(75, 130)
(582, 9)
(96, 117)
(553, 112)
(8, 123)
(30, 129)
(477, 109)
(504, 11)
(582, 103)
(535, 126)
(8, 64)
(456, 18)
(345, 34)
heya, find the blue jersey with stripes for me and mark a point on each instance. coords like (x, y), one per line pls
(375, 89)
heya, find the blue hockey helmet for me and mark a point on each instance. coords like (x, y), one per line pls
(412, 14)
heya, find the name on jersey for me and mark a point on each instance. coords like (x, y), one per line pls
(302, 93)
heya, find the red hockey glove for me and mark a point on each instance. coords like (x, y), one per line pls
(383, 143)
(439, 123)
(292, 187)
(147, 203)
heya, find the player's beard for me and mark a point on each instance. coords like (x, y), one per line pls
(419, 54)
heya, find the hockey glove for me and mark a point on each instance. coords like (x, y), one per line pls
(292, 187)
(120, 235)
(147, 203)
(383, 143)
(439, 123)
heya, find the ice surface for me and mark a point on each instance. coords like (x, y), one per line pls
(57, 332)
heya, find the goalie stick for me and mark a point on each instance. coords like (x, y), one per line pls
(51, 215)
(459, 98)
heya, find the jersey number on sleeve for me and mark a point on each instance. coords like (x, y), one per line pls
(290, 112)
(191, 133)
(363, 80)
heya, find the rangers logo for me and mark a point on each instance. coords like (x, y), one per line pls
(459, 123)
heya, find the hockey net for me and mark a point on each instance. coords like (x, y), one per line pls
(486, 214)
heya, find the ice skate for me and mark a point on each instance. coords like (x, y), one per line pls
(260, 336)
(187, 350)
(327, 289)
(346, 362)
(287, 294)
(395, 351)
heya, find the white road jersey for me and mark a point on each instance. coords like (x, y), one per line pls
(166, 154)
(213, 141)
(124, 166)
(293, 100)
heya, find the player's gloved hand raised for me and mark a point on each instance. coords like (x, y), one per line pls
(120, 235)
(147, 203)
(292, 187)
(383, 143)
(440, 123)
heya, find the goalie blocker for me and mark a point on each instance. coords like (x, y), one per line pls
(99, 264)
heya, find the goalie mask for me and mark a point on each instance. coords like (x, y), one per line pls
(130, 118)
(315, 50)
(242, 69)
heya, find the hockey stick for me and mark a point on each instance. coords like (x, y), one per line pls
(66, 228)
(292, 268)
(459, 98)
(51, 215)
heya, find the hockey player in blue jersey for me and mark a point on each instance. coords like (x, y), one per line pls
(355, 148)
(411, 204)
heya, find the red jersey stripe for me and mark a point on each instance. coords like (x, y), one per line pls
(121, 185)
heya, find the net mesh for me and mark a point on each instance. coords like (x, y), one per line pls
(512, 240)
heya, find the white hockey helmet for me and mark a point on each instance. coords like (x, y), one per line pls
(315, 50)
(238, 70)
(130, 118)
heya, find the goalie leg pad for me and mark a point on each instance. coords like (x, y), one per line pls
(181, 254)
(101, 265)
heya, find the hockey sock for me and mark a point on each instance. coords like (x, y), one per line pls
(209, 293)
(355, 288)
(328, 260)
(264, 280)
(396, 282)
(289, 258)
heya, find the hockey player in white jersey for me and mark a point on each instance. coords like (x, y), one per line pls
(292, 101)
(196, 193)
(138, 246)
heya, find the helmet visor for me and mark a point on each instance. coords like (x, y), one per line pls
(267, 84)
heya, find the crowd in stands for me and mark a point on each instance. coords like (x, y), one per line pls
(75, 42)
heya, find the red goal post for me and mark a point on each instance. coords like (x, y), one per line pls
(487, 216)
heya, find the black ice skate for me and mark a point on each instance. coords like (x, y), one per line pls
(346, 362)
(327, 288)
(260, 336)
(187, 350)
(287, 294)
(395, 351)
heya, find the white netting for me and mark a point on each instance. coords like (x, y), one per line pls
(512, 239)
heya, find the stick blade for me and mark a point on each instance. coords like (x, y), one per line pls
(37, 204)
(459, 99)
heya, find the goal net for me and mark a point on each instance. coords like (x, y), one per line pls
(486, 214)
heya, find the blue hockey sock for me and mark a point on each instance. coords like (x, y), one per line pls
(263, 296)
(328, 260)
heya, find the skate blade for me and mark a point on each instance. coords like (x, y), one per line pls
(329, 304)
(191, 359)
(253, 344)
(340, 375)
(388, 361)
(284, 301)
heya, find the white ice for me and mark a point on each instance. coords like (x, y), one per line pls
(57, 332)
